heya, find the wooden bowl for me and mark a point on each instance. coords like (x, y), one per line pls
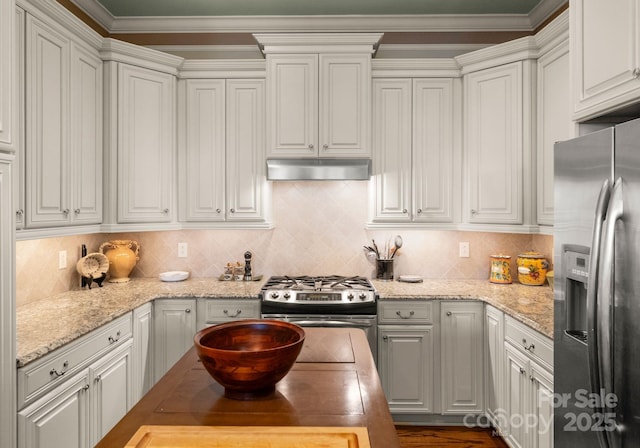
(248, 357)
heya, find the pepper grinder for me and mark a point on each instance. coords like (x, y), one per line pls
(247, 267)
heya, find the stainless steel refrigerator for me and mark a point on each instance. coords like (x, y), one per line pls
(597, 289)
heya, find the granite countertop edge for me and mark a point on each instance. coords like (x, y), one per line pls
(47, 325)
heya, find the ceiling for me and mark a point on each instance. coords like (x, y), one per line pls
(149, 8)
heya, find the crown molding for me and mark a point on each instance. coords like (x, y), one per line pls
(410, 67)
(555, 31)
(515, 50)
(544, 10)
(119, 51)
(223, 68)
(97, 12)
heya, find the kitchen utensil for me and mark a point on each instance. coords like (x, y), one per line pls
(384, 269)
(375, 247)
(397, 245)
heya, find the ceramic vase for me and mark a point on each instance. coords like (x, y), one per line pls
(123, 256)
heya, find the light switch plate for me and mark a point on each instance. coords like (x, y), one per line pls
(464, 250)
(62, 259)
(182, 250)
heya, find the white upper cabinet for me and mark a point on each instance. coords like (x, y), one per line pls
(8, 77)
(63, 146)
(605, 56)
(146, 146)
(319, 105)
(415, 122)
(494, 145)
(221, 150)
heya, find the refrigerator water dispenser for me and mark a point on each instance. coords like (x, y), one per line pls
(576, 265)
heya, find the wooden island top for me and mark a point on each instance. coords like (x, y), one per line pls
(334, 382)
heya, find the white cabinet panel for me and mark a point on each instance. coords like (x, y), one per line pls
(174, 322)
(542, 401)
(516, 366)
(146, 144)
(494, 366)
(462, 354)
(405, 362)
(142, 351)
(8, 78)
(605, 56)
(494, 144)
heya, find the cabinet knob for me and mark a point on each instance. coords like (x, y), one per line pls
(522, 371)
(404, 210)
(65, 212)
(165, 211)
(325, 147)
(473, 212)
(419, 211)
(77, 211)
(311, 146)
(20, 212)
(98, 378)
(385, 338)
(188, 310)
(448, 313)
(636, 72)
(218, 210)
(233, 210)
(85, 388)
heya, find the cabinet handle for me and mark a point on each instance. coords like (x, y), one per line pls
(531, 378)
(76, 211)
(449, 313)
(233, 210)
(529, 347)
(636, 72)
(404, 210)
(419, 211)
(20, 212)
(385, 338)
(238, 312)
(218, 210)
(65, 212)
(473, 212)
(522, 371)
(399, 314)
(325, 147)
(113, 340)
(98, 378)
(188, 310)
(57, 374)
(85, 388)
(165, 211)
(311, 146)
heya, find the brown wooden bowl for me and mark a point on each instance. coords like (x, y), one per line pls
(248, 357)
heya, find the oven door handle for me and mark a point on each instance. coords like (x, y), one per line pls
(331, 323)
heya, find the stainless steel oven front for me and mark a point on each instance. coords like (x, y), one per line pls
(368, 323)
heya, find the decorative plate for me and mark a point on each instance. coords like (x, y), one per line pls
(410, 279)
(174, 276)
(93, 265)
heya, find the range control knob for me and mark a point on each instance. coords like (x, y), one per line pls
(274, 295)
(363, 296)
(350, 296)
(287, 295)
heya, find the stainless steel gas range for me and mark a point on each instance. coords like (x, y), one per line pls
(323, 301)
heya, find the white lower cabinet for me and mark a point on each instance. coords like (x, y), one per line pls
(406, 365)
(73, 396)
(494, 366)
(462, 357)
(217, 311)
(174, 326)
(142, 350)
(528, 358)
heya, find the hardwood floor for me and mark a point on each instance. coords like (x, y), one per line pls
(447, 437)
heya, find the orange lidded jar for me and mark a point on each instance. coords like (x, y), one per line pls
(500, 269)
(532, 268)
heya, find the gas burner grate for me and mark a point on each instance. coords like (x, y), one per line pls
(318, 283)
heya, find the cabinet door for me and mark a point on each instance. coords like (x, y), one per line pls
(246, 178)
(8, 78)
(174, 324)
(494, 366)
(142, 351)
(462, 353)
(606, 56)
(19, 182)
(345, 105)
(541, 406)
(292, 105)
(391, 181)
(145, 144)
(86, 137)
(47, 127)
(111, 393)
(494, 144)
(433, 150)
(554, 122)
(405, 363)
(202, 151)
(515, 400)
(59, 419)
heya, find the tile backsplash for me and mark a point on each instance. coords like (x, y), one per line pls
(319, 228)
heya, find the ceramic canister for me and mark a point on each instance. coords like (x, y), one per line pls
(532, 268)
(500, 269)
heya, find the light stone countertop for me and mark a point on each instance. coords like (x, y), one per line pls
(46, 325)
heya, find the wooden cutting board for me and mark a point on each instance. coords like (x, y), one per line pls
(249, 437)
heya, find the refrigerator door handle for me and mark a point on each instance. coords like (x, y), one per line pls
(606, 281)
(592, 293)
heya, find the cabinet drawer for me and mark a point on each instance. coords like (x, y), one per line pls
(529, 341)
(216, 311)
(54, 368)
(406, 311)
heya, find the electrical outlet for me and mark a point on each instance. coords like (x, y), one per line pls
(182, 250)
(62, 259)
(464, 250)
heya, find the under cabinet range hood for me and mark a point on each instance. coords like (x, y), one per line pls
(318, 169)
